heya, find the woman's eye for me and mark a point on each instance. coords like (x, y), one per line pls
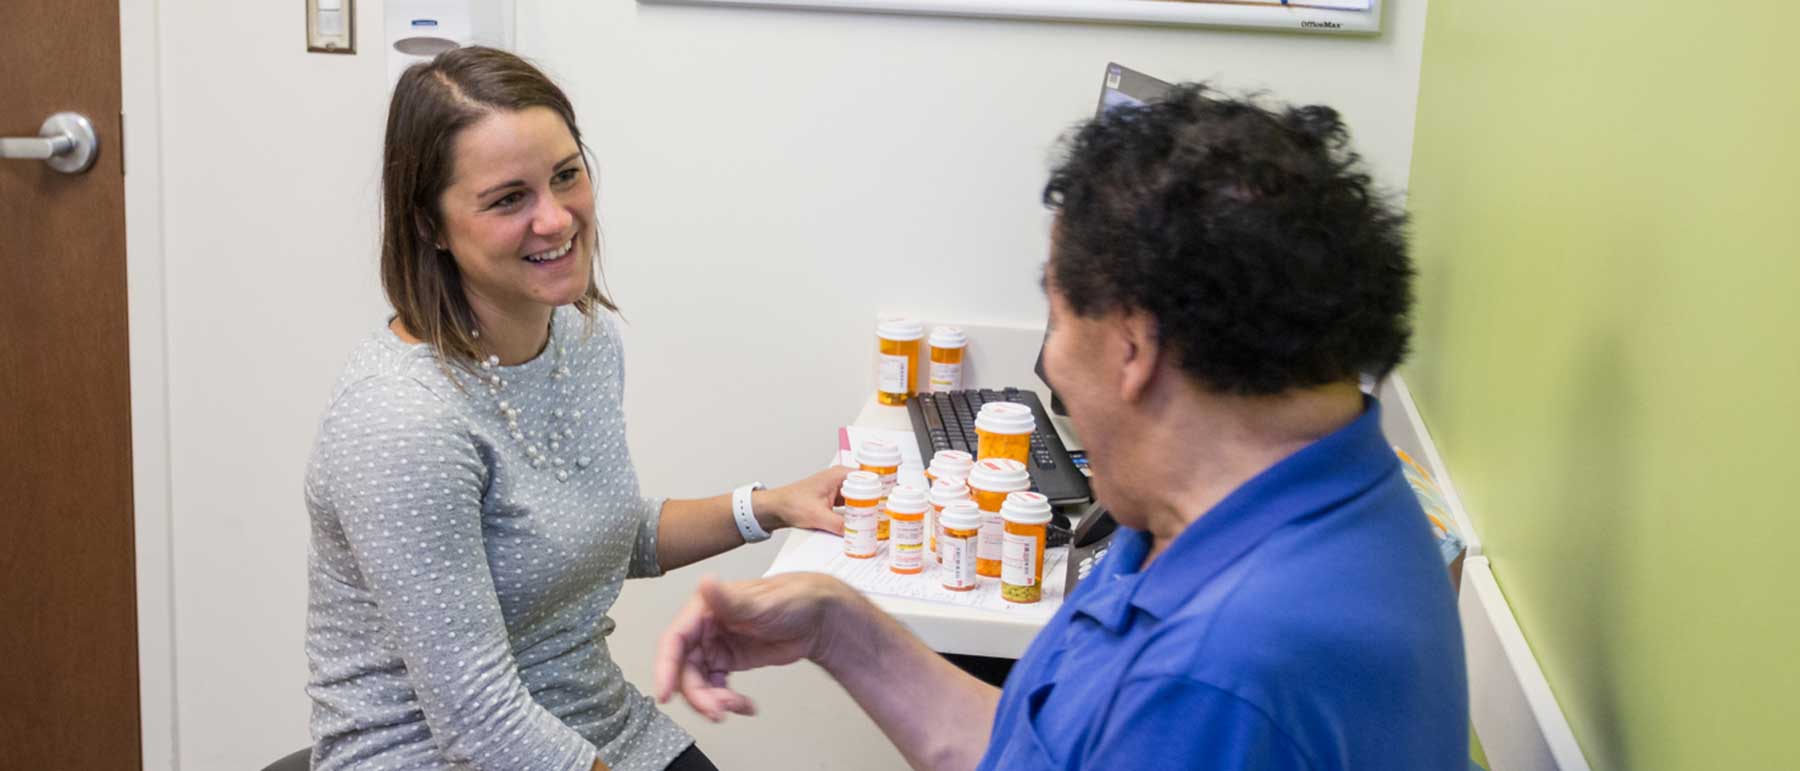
(567, 175)
(506, 201)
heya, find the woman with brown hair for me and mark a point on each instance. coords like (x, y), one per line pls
(474, 506)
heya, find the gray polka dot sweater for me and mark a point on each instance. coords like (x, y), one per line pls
(462, 564)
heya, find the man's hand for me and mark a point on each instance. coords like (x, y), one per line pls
(743, 625)
(937, 715)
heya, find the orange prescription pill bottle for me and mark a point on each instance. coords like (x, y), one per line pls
(897, 364)
(943, 492)
(1027, 522)
(881, 458)
(1003, 430)
(906, 506)
(989, 482)
(947, 346)
(862, 501)
(962, 535)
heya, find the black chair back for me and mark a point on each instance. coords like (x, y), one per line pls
(298, 761)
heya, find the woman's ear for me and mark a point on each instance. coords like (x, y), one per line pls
(428, 234)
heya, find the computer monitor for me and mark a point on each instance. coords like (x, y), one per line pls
(1122, 86)
(1126, 86)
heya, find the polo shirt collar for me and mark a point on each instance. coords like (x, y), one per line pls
(1106, 596)
(1317, 478)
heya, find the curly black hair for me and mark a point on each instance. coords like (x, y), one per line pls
(1252, 235)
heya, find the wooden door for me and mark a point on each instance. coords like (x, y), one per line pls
(68, 636)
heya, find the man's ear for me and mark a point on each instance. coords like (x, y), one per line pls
(1143, 353)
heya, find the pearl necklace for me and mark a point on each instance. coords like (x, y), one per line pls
(559, 435)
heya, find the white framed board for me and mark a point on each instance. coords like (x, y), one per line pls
(1340, 17)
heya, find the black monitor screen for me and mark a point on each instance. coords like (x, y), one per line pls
(1127, 86)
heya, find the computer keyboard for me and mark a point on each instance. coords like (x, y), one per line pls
(946, 421)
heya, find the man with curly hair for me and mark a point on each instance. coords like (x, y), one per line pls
(1221, 277)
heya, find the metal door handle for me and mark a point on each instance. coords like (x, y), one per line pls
(66, 143)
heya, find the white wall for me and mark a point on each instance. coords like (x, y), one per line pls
(142, 144)
(270, 164)
(768, 179)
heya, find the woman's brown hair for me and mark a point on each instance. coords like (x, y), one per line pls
(432, 104)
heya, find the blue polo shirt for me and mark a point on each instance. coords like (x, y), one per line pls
(1305, 622)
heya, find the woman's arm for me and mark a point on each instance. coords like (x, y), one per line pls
(692, 530)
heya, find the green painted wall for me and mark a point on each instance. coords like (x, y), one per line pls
(1607, 224)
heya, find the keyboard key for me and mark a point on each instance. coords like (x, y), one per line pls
(933, 421)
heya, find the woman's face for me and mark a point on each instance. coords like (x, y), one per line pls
(518, 214)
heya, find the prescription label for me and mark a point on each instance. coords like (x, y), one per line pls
(907, 547)
(859, 531)
(892, 377)
(993, 534)
(1018, 560)
(959, 563)
(946, 377)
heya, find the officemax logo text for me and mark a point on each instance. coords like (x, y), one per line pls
(1321, 24)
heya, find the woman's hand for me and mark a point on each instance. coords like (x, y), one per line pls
(693, 530)
(807, 503)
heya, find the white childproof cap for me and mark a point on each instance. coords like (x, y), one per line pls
(1026, 508)
(999, 475)
(899, 328)
(1005, 418)
(907, 499)
(951, 463)
(879, 453)
(947, 337)
(948, 489)
(961, 515)
(862, 486)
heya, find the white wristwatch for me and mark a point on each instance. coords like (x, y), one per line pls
(747, 525)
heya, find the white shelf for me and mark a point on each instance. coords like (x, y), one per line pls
(1246, 14)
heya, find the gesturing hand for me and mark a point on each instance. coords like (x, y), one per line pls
(743, 625)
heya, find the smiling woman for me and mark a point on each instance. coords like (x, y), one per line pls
(474, 506)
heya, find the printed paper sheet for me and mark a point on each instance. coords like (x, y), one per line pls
(824, 553)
